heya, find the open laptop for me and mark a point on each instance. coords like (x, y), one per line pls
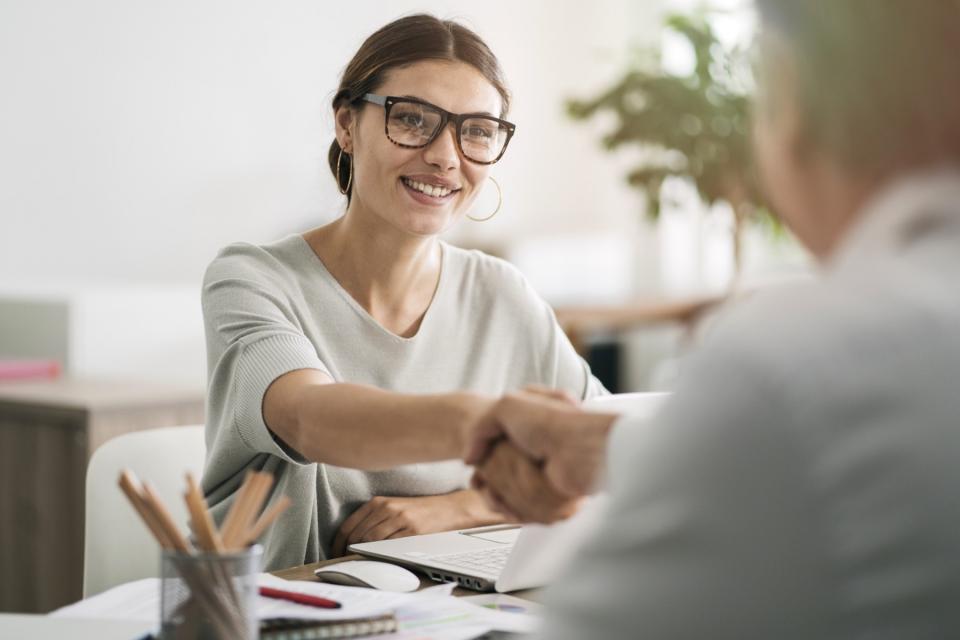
(508, 557)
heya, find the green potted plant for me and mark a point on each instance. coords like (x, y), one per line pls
(693, 126)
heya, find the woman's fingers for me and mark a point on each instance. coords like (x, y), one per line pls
(381, 531)
(348, 530)
(362, 533)
(400, 533)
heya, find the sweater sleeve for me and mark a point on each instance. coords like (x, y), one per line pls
(253, 337)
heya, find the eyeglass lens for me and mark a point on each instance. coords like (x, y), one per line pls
(414, 124)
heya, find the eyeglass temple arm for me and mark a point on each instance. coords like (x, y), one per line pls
(375, 99)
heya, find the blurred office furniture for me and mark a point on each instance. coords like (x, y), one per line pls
(106, 331)
(29, 369)
(603, 286)
(48, 431)
(118, 548)
(579, 322)
(597, 331)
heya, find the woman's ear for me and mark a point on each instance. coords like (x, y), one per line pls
(345, 120)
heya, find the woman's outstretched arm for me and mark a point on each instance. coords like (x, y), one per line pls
(362, 427)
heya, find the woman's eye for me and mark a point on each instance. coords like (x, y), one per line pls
(479, 132)
(412, 120)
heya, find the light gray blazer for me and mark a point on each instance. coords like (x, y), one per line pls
(804, 480)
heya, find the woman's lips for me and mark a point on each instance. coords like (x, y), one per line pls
(424, 198)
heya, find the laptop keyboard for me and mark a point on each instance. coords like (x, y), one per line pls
(486, 561)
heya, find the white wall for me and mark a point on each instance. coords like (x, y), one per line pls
(137, 137)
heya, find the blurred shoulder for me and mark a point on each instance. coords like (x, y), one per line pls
(787, 325)
(823, 338)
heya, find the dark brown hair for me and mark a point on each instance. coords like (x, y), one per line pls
(403, 42)
(879, 82)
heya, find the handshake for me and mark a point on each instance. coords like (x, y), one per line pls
(537, 453)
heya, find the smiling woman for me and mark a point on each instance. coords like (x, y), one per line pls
(434, 156)
(353, 360)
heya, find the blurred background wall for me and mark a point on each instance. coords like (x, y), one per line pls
(137, 138)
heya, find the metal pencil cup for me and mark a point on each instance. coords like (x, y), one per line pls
(209, 596)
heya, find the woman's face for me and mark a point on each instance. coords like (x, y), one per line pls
(387, 179)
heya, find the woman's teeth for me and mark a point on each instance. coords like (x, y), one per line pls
(429, 189)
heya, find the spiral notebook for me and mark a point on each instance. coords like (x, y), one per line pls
(299, 629)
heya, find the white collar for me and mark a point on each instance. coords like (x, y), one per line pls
(907, 208)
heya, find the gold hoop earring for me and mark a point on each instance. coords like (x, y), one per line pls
(344, 190)
(499, 202)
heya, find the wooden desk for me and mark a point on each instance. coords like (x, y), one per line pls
(305, 573)
(48, 430)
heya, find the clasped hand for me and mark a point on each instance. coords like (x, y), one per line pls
(537, 454)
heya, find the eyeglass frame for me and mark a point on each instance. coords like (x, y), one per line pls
(446, 117)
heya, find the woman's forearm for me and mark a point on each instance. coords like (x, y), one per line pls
(363, 427)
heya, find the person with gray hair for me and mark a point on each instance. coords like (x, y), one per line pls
(802, 481)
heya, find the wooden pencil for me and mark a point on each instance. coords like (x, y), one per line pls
(151, 509)
(255, 508)
(265, 520)
(206, 530)
(239, 501)
(176, 537)
(131, 488)
(248, 510)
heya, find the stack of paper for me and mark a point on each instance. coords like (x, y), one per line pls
(430, 613)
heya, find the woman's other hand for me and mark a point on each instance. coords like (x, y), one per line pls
(383, 517)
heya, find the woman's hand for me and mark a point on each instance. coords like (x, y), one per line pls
(515, 486)
(382, 518)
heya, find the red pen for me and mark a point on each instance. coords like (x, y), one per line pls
(299, 598)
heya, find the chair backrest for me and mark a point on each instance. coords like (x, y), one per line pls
(118, 547)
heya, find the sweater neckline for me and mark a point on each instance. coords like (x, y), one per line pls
(363, 313)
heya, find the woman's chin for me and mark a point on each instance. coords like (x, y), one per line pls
(432, 225)
(428, 221)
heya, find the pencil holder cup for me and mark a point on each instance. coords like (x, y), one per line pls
(208, 595)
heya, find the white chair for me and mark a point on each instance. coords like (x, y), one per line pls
(118, 547)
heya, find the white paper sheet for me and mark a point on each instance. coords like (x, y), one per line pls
(450, 618)
(428, 614)
(140, 601)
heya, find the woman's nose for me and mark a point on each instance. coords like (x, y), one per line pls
(442, 152)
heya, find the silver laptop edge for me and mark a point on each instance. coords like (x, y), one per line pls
(435, 570)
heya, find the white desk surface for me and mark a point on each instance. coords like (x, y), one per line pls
(41, 627)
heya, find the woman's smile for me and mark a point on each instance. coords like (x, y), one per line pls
(429, 190)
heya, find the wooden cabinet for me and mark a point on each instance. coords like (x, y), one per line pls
(48, 430)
